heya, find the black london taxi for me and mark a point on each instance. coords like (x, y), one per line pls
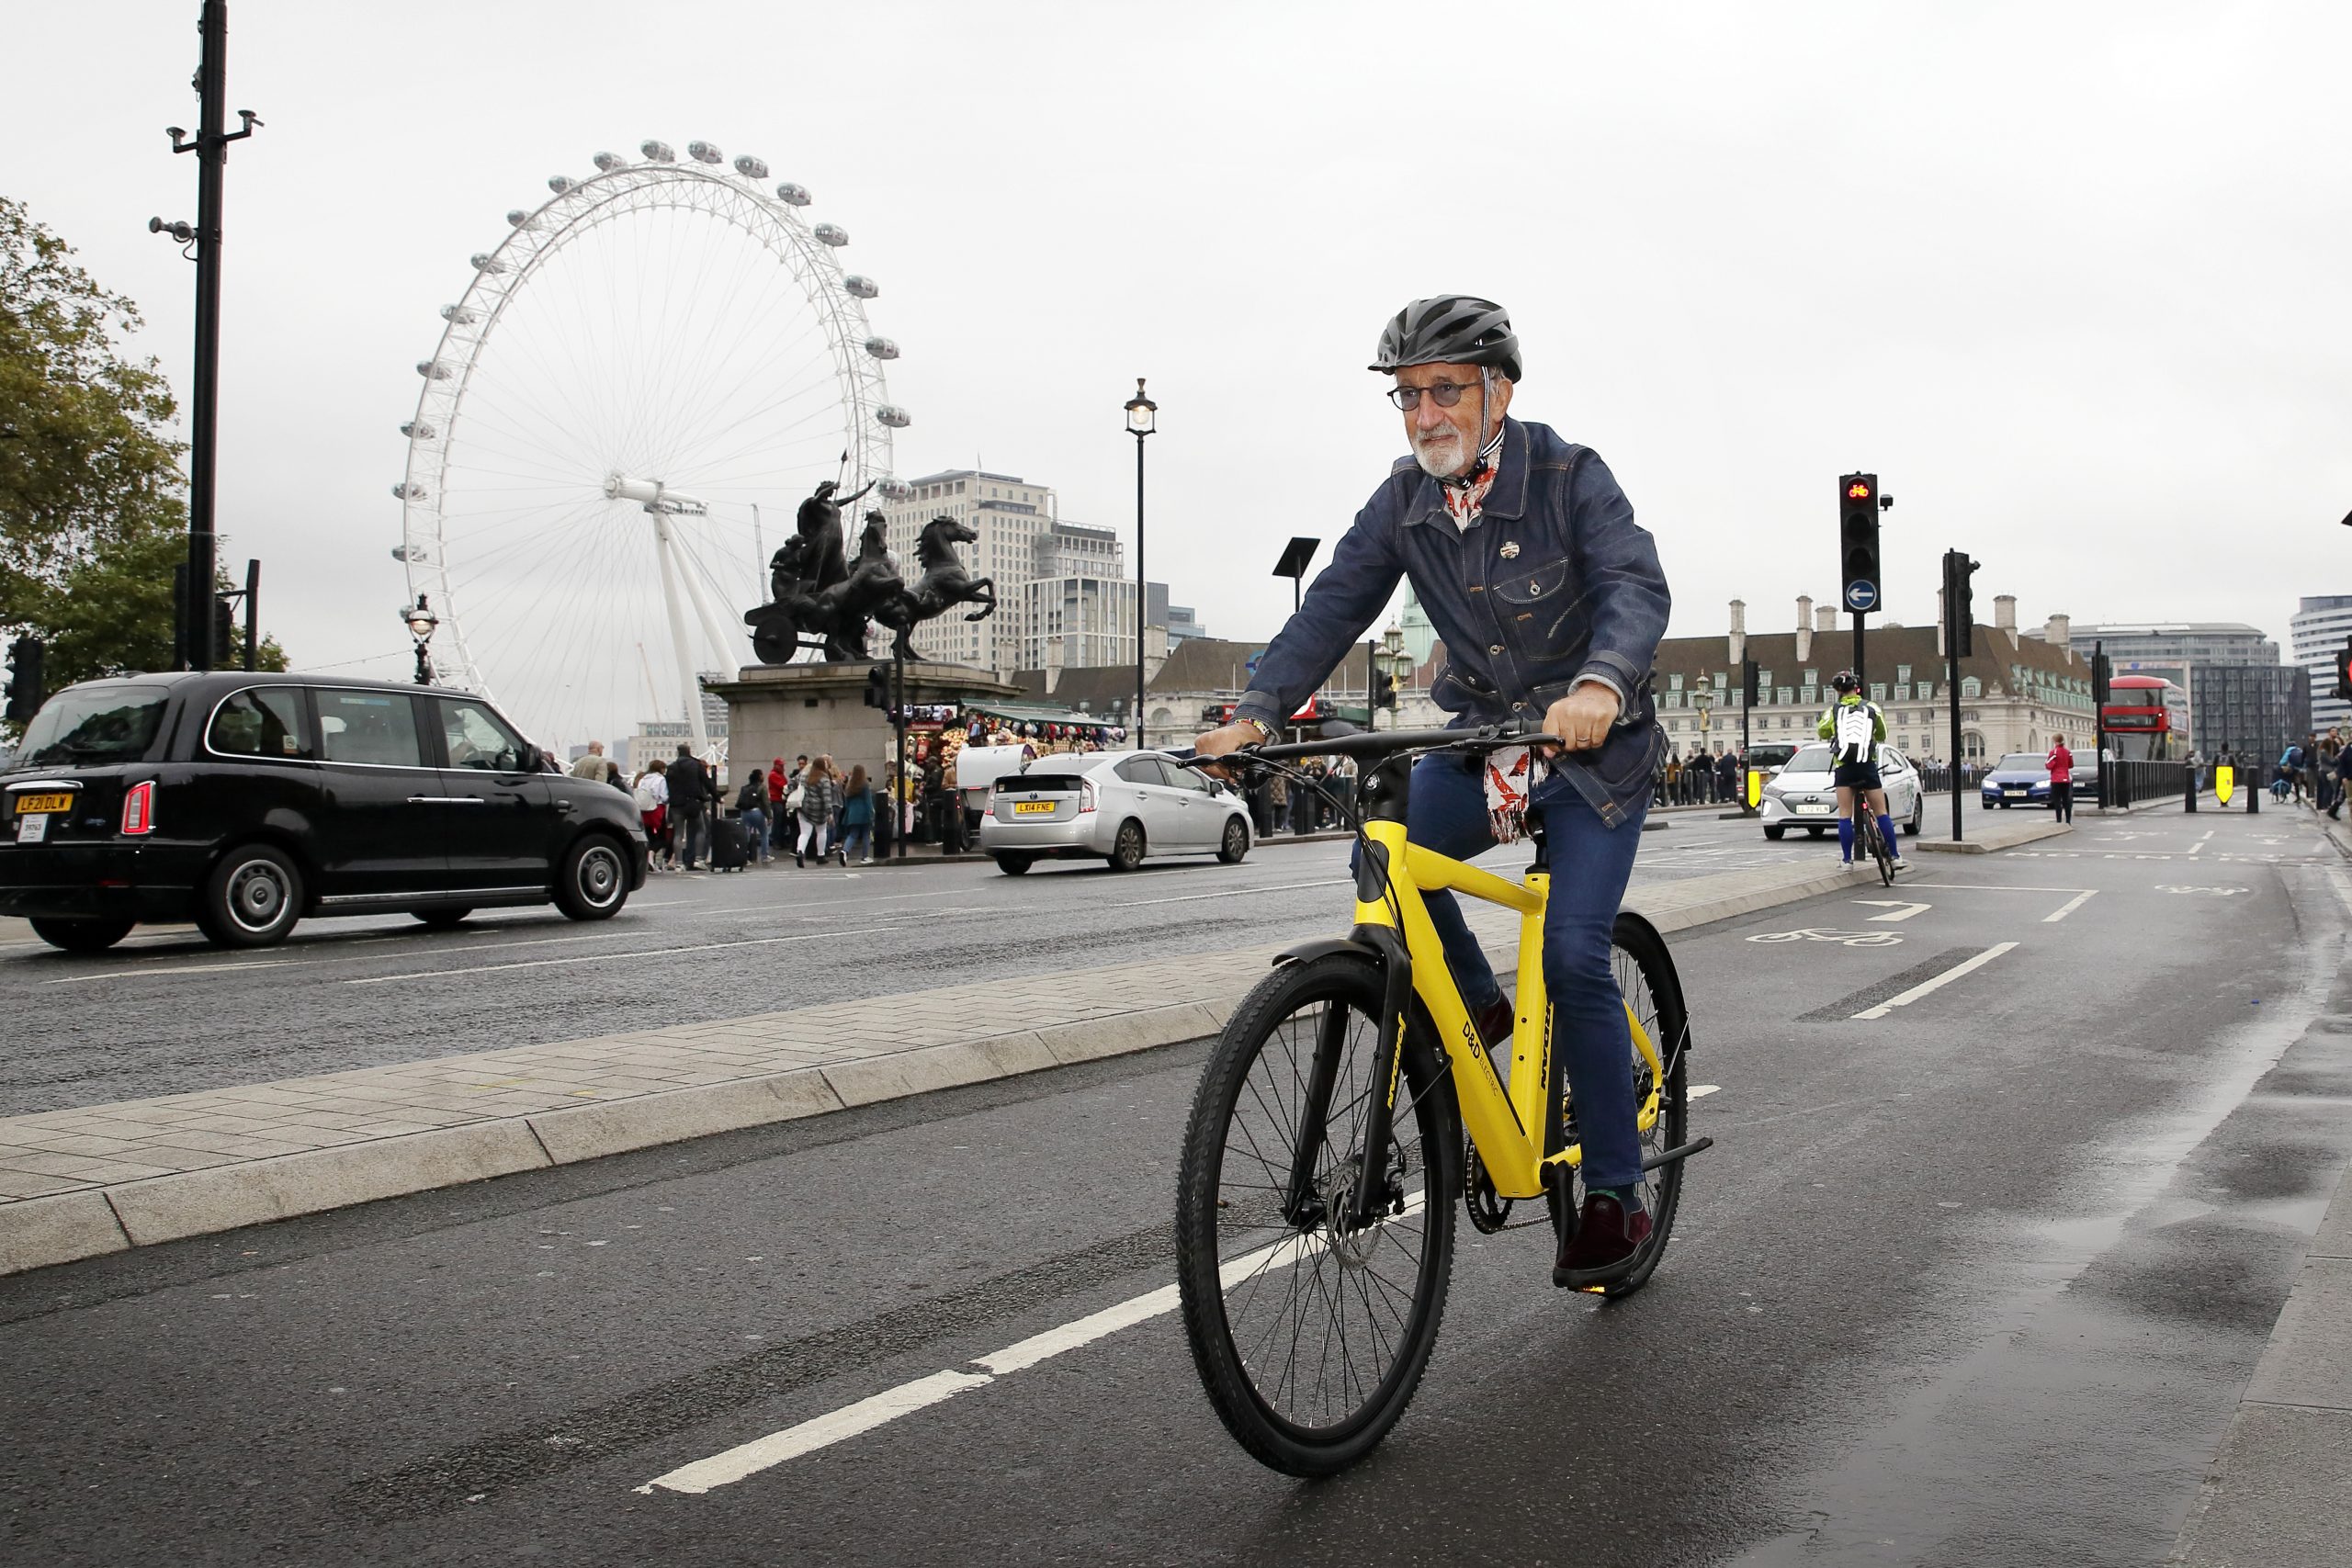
(247, 801)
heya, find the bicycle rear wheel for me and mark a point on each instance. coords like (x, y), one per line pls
(1881, 851)
(1653, 993)
(1310, 1336)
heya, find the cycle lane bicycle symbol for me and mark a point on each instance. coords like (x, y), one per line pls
(1843, 939)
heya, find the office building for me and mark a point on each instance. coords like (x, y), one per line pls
(2318, 630)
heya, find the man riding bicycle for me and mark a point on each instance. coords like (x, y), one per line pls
(1858, 729)
(1551, 601)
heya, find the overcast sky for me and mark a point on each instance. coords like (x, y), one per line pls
(2070, 279)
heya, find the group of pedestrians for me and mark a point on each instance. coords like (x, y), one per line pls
(2316, 771)
(1280, 804)
(808, 809)
(1698, 779)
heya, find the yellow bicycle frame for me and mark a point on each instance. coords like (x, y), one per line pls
(1505, 1120)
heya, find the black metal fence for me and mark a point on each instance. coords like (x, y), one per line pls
(2130, 782)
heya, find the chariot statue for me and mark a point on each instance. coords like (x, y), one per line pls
(821, 599)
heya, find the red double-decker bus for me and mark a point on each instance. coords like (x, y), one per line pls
(2147, 719)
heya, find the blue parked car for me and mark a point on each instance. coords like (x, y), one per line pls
(2019, 779)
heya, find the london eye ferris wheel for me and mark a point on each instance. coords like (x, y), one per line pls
(644, 361)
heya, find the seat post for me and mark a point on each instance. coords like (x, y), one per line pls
(1543, 846)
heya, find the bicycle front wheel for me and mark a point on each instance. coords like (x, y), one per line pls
(1309, 1333)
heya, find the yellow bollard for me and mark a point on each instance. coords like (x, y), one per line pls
(2224, 782)
(1755, 788)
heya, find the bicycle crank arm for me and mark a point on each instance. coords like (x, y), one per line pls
(1680, 1151)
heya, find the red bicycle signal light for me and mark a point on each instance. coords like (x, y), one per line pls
(1859, 491)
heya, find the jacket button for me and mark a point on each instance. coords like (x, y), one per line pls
(1496, 649)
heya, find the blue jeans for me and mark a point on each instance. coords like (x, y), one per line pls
(755, 834)
(1590, 865)
(858, 840)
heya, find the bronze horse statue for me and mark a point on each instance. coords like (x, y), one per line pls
(942, 585)
(807, 578)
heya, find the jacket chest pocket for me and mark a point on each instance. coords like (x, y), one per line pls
(1533, 600)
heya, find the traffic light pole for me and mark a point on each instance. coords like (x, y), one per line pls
(1860, 684)
(898, 724)
(1951, 694)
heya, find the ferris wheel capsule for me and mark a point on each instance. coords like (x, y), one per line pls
(410, 492)
(831, 234)
(792, 195)
(417, 430)
(751, 168)
(560, 182)
(485, 262)
(517, 216)
(704, 152)
(459, 315)
(893, 415)
(860, 287)
(607, 162)
(896, 489)
(432, 369)
(881, 348)
(659, 152)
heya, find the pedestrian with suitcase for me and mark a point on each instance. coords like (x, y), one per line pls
(752, 810)
(691, 796)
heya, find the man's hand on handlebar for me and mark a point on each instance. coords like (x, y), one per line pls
(1582, 718)
(1224, 741)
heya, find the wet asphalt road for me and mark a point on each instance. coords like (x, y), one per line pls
(164, 1013)
(1976, 1282)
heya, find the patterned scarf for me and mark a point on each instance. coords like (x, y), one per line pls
(1465, 496)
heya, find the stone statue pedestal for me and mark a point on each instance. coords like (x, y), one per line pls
(783, 710)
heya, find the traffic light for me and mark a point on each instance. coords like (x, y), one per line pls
(2343, 672)
(1960, 611)
(1859, 588)
(877, 687)
(1748, 676)
(2102, 673)
(225, 616)
(1384, 690)
(25, 693)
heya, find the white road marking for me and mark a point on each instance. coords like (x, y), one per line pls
(1701, 1091)
(177, 969)
(607, 958)
(877, 1410)
(2069, 907)
(1902, 910)
(1939, 983)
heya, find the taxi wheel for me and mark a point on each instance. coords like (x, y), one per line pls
(252, 899)
(81, 936)
(1774, 833)
(1126, 851)
(1236, 845)
(592, 882)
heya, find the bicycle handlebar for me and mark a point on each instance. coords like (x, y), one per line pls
(1380, 743)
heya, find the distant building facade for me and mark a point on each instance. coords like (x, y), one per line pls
(2318, 630)
(2241, 697)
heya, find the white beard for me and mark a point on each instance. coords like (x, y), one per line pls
(1442, 457)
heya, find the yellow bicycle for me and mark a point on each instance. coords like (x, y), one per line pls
(1325, 1149)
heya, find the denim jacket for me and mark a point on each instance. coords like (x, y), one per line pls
(1555, 583)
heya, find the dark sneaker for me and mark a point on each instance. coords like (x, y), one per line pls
(1494, 1022)
(1606, 1243)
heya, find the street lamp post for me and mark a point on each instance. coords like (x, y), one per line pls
(420, 620)
(1142, 420)
(1703, 699)
(1395, 663)
(212, 149)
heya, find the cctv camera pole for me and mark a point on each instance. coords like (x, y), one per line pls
(212, 150)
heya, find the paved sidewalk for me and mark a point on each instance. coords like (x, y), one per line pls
(103, 1178)
(2279, 1493)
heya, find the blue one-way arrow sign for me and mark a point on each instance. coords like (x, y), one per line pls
(1862, 594)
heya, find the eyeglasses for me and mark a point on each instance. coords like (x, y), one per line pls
(1445, 394)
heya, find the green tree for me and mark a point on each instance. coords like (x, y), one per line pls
(91, 514)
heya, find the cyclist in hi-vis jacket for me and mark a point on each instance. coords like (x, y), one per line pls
(1858, 729)
(1551, 602)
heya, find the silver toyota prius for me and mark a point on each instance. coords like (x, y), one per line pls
(1114, 806)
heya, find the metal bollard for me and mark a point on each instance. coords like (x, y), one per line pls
(2190, 797)
(2254, 792)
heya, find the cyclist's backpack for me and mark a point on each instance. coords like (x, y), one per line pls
(1856, 738)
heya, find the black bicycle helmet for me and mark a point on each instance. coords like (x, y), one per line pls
(1450, 329)
(1845, 681)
